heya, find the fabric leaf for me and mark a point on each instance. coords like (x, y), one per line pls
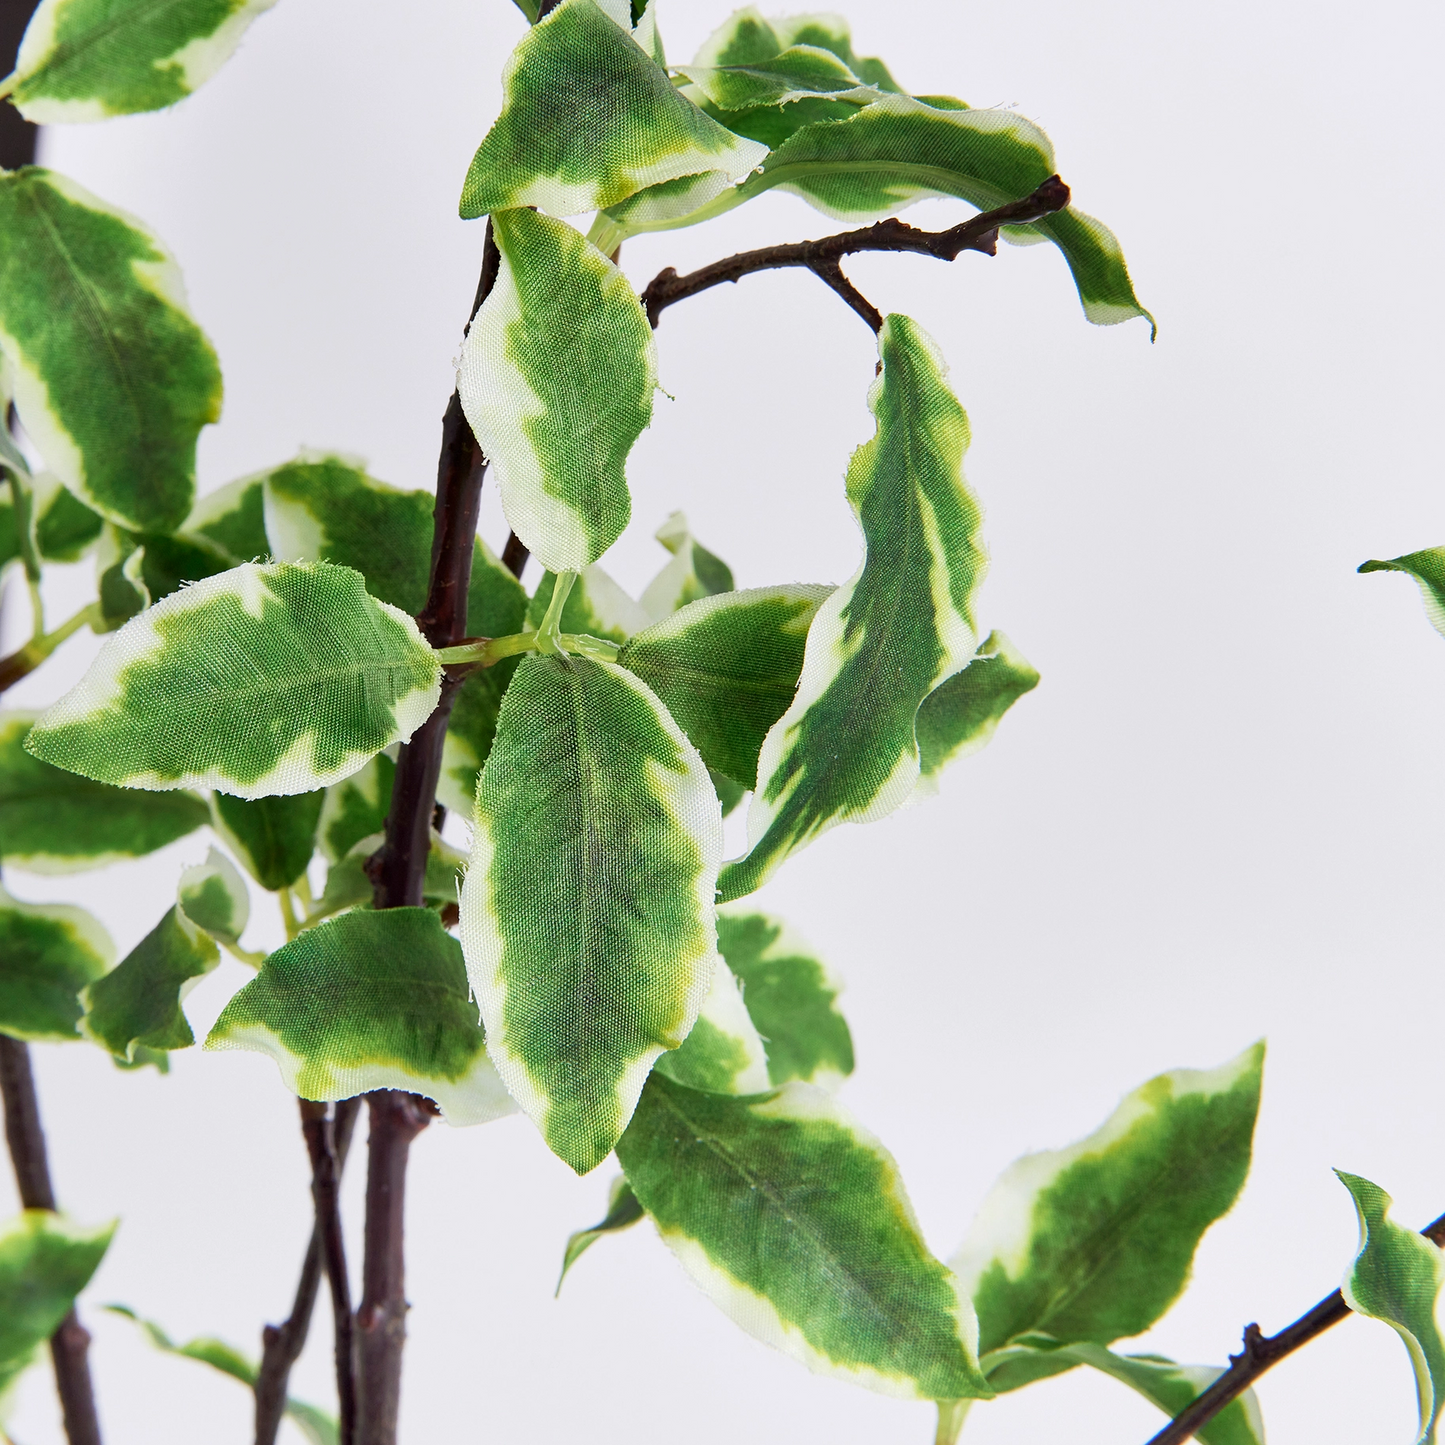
(587, 915)
(275, 838)
(797, 73)
(356, 807)
(556, 379)
(50, 951)
(1428, 570)
(233, 520)
(348, 886)
(65, 528)
(745, 38)
(214, 897)
(794, 1220)
(266, 679)
(623, 1211)
(724, 1052)
(693, 572)
(113, 379)
(370, 1000)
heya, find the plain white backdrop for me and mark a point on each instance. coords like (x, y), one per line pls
(1217, 818)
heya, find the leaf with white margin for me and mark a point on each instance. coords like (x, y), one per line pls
(727, 668)
(356, 808)
(961, 715)
(119, 580)
(623, 1211)
(793, 1219)
(745, 38)
(86, 60)
(65, 528)
(596, 606)
(53, 821)
(790, 994)
(588, 119)
(233, 520)
(370, 1000)
(138, 1003)
(587, 914)
(797, 73)
(349, 886)
(1428, 570)
(845, 751)
(1396, 1277)
(1094, 1242)
(692, 573)
(556, 379)
(724, 1052)
(50, 952)
(113, 379)
(263, 680)
(213, 895)
(274, 837)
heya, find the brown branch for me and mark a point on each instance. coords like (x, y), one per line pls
(514, 555)
(1259, 1354)
(26, 1139)
(822, 257)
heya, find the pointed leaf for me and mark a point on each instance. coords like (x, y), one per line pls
(693, 572)
(623, 1211)
(370, 1001)
(797, 73)
(214, 897)
(556, 379)
(596, 606)
(794, 1220)
(1094, 1242)
(845, 750)
(232, 519)
(51, 951)
(266, 679)
(1174, 1387)
(1428, 570)
(275, 838)
(724, 1052)
(587, 912)
(113, 379)
(356, 808)
(65, 528)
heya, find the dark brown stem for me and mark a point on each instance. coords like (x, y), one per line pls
(1259, 1354)
(822, 257)
(515, 554)
(23, 1133)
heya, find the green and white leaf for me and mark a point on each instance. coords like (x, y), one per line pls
(1094, 1242)
(370, 1000)
(794, 1220)
(52, 821)
(264, 680)
(1428, 570)
(724, 1052)
(746, 38)
(112, 378)
(556, 379)
(213, 895)
(589, 118)
(846, 751)
(798, 73)
(347, 884)
(791, 996)
(119, 579)
(596, 606)
(1396, 1277)
(623, 1211)
(51, 951)
(274, 837)
(65, 528)
(727, 668)
(233, 520)
(85, 60)
(138, 1004)
(692, 573)
(356, 808)
(587, 915)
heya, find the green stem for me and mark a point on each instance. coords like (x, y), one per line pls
(25, 660)
(288, 913)
(549, 633)
(951, 1415)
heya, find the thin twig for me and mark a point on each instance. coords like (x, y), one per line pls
(515, 553)
(1259, 1354)
(822, 257)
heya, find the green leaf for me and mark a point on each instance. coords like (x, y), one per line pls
(232, 518)
(587, 913)
(52, 821)
(791, 996)
(724, 1052)
(9, 532)
(1396, 1277)
(1094, 1242)
(1428, 570)
(963, 712)
(113, 379)
(797, 73)
(556, 379)
(348, 886)
(275, 838)
(370, 1000)
(623, 1211)
(694, 572)
(214, 897)
(588, 119)
(729, 793)
(51, 951)
(65, 528)
(167, 562)
(745, 38)
(138, 1004)
(845, 751)
(794, 1220)
(266, 679)
(727, 668)
(119, 579)
(84, 60)
(596, 606)
(356, 808)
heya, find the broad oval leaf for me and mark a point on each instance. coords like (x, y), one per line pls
(274, 837)
(587, 913)
(370, 1000)
(1428, 570)
(846, 750)
(623, 1211)
(556, 379)
(233, 520)
(113, 379)
(723, 1052)
(84, 60)
(692, 573)
(263, 680)
(588, 119)
(65, 528)
(794, 1220)
(356, 808)
(214, 897)
(51, 951)
(1092, 1243)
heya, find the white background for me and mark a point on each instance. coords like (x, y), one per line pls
(1216, 819)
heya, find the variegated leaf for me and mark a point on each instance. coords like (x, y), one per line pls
(587, 913)
(51, 951)
(623, 1211)
(233, 520)
(113, 379)
(263, 680)
(356, 808)
(798, 73)
(53, 821)
(724, 1052)
(556, 379)
(213, 896)
(793, 1219)
(596, 606)
(349, 886)
(274, 837)
(370, 1000)
(692, 573)
(119, 580)
(588, 119)
(1428, 570)
(845, 750)
(745, 38)
(65, 528)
